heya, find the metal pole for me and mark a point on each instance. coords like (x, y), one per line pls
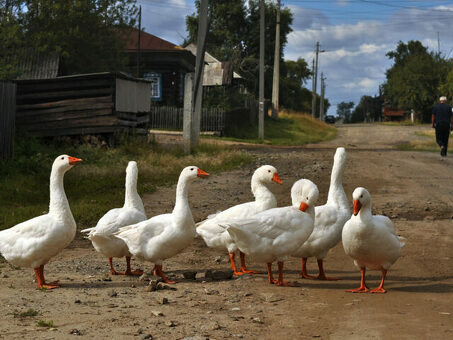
(261, 88)
(316, 71)
(276, 80)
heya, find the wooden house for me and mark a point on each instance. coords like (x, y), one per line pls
(161, 62)
(99, 103)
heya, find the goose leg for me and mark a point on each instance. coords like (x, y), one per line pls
(128, 271)
(322, 274)
(41, 282)
(363, 287)
(280, 281)
(159, 272)
(380, 289)
(233, 264)
(243, 266)
(304, 270)
(270, 277)
(112, 270)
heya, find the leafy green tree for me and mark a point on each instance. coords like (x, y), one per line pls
(84, 33)
(234, 36)
(293, 75)
(344, 111)
(446, 89)
(414, 79)
(368, 108)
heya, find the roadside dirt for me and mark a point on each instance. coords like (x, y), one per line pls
(415, 189)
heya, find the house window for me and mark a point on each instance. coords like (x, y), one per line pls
(156, 85)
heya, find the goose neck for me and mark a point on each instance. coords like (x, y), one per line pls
(260, 191)
(132, 198)
(336, 191)
(58, 201)
(182, 189)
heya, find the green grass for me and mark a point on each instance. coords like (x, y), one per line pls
(97, 184)
(426, 142)
(42, 323)
(288, 129)
(28, 313)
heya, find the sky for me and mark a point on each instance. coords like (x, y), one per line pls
(355, 36)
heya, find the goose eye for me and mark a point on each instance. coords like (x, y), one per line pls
(361, 196)
(307, 198)
(62, 157)
(191, 169)
(268, 171)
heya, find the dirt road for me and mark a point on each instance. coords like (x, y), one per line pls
(414, 188)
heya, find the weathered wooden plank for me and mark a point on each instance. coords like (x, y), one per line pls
(79, 107)
(36, 119)
(67, 102)
(62, 84)
(127, 123)
(73, 123)
(87, 130)
(127, 116)
(65, 94)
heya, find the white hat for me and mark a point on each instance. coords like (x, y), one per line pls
(443, 99)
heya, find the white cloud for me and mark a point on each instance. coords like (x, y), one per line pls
(355, 60)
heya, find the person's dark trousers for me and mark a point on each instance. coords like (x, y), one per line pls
(442, 134)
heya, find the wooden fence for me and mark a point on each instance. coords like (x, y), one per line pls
(171, 118)
(7, 119)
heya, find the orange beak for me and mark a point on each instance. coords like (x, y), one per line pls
(74, 161)
(303, 206)
(357, 206)
(201, 173)
(276, 179)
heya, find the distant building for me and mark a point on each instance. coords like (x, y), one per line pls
(162, 62)
(393, 115)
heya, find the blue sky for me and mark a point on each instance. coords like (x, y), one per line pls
(355, 35)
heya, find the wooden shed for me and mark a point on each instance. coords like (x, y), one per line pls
(99, 103)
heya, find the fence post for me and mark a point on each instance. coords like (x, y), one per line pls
(188, 113)
(7, 119)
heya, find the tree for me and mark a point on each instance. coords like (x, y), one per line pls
(234, 36)
(344, 111)
(446, 89)
(414, 79)
(293, 75)
(368, 108)
(83, 33)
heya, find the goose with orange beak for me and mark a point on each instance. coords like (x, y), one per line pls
(217, 237)
(164, 236)
(370, 240)
(275, 234)
(34, 242)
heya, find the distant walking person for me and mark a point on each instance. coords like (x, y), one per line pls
(442, 121)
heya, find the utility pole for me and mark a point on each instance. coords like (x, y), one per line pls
(276, 80)
(313, 109)
(321, 104)
(139, 36)
(261, 80)
(199, 67)
(438, 43)
(313, 93)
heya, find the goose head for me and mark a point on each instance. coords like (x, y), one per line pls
(132, 167)
(304, 194)
(360, 197)
(266, 174)
(340, 155)
(191, 173)
(63, 163)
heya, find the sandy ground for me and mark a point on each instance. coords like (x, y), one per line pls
(413, 188)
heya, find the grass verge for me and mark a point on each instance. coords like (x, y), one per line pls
(288, 129)
(427, 142)
(96, 185)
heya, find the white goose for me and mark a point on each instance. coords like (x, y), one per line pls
(217, 237)
(102, 235)
(370, 240)
(164, 236)
(34, 242)
(329, 221)
(274, 234)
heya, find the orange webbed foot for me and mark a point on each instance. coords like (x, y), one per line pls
(359, 290)
(246, 271)
(136, 272)
(306, 276)
(49, 286)
(284, 283)
(326, 278)
(378, 290)
(238, 273)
